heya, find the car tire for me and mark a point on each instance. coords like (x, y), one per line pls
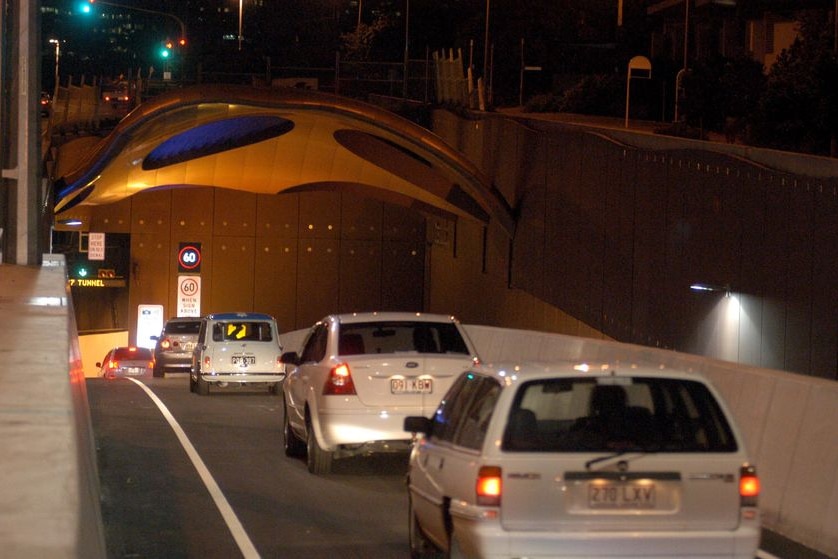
(158, 372)
(201, 385)
(275, 388)
(420, 546)
(294, 446)
(192, 386)
(319, 461)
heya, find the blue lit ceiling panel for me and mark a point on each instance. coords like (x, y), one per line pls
(216, 137)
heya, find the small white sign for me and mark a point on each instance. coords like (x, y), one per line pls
(96, 246)
(189, 296)
(149, 323)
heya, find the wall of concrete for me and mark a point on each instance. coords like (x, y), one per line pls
(615, 225)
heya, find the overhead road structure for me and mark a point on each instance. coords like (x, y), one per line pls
(273, 140)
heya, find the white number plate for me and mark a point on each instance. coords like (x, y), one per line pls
(411, 385)
(621, 496)
(134, 370)
(244, 360)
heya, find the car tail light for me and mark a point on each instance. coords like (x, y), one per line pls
(339, 381)
(166, 344)
(206, 361)
(113, 364)
(150, 365)
(748, 486)
(489, 486)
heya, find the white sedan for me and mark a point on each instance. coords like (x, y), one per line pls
(357, 376)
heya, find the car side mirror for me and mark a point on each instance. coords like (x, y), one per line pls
(99, 364)
(290, 358)
(417, 424)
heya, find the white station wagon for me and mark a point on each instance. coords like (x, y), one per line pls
(572, 460)
(237, 349)
(359, 375)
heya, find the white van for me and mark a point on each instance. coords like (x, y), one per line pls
(237, 349)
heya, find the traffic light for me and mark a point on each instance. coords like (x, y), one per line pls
(166, 49)
(85, 7)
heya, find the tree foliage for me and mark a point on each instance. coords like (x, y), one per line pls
(799, 109)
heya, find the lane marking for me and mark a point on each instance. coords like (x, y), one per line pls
(765, 555)
(245, 545)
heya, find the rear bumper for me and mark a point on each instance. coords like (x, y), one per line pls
(243, 378)
(375, 427)
(480, 534)
(180, 362)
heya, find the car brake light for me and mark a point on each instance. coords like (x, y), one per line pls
(166, 344)
(206, 361)
(748, 486)
(113, 364)
(339, 381)
(489, 486)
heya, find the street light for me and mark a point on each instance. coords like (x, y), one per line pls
(57, 44)
(241, 10)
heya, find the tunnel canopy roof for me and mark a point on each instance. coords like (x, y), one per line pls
(272, 140)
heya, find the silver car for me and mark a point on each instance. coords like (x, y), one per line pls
(173, 350)
(359, 375)
(577, 460)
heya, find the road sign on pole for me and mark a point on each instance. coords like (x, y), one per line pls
(189, 296)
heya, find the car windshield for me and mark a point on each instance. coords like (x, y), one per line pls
(182, 328)
(613, 414)
(244, 331)
(362, 338)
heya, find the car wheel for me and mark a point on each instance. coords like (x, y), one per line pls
(202, 385)
(275, 388)
(319, 461)
(158, 372)
(420, 546)
(294, 447)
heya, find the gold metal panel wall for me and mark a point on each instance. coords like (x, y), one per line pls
(320, 215)
(403, 224)
(403, 265)
(360, 218)
(360, 276)
(275, 280)
(149, 275)
(113, 218)
(192, 212)
(318, 280)
(232, 274)
(277, 215)
(151, 212)
(235, 213)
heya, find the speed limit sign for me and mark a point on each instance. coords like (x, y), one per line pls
(189, 258)
(189, 296)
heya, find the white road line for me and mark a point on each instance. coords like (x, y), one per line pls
(245, 545)
(765, 555)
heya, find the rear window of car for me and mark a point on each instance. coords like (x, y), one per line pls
(616, 414)
(245, 331)
(128, 354)
(182, 328)
(400, 336)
